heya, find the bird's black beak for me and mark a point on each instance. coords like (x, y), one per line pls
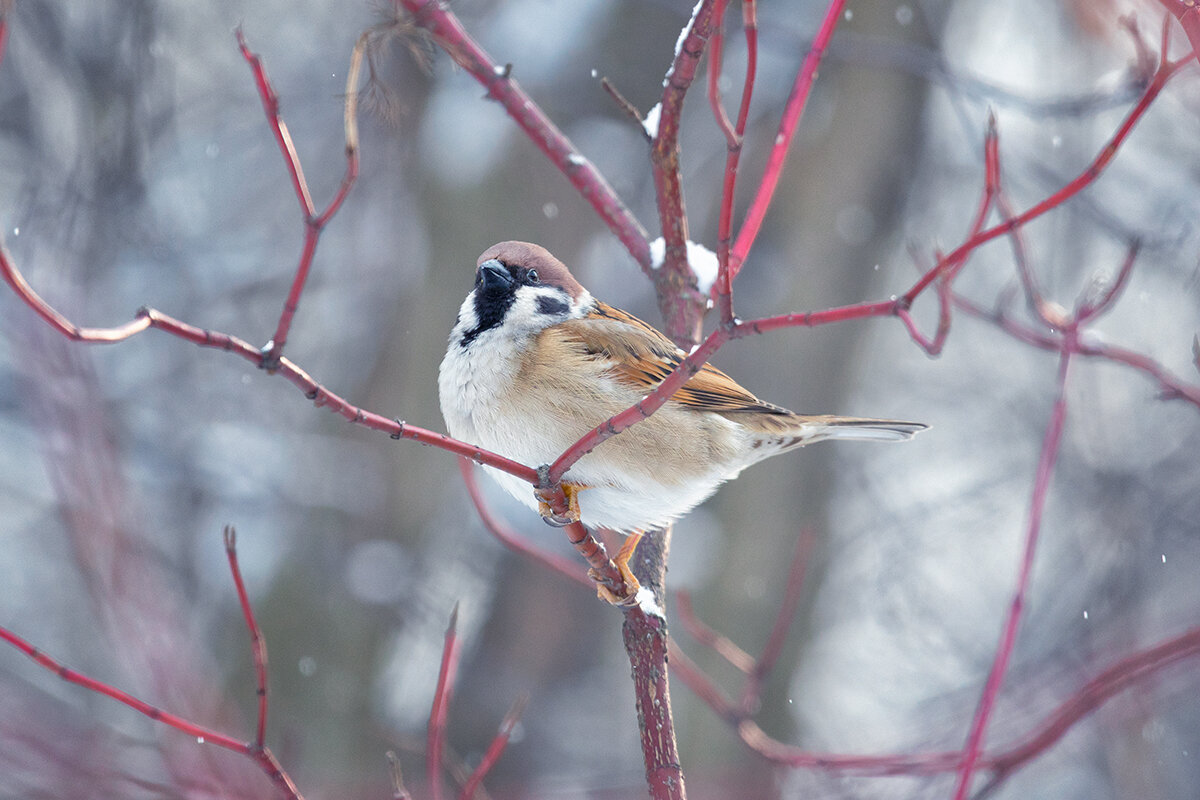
(493, 276)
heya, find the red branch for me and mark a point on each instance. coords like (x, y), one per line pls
(946, 268)
(756, 669)
(448, 32)
(258, 645)
(783, 139)
(4, 8)
(703, 633)
(1093, 694)
(255, 751)
(950, 264)
(1189, 19)
(510, 539)
(682, 304)
(734, 136)
(321, 397)
(495, 748)
(1008, 638)
(441, 706)
(313, 223)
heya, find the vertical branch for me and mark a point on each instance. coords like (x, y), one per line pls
(752, 690)
(783, 139)
(441, 707)
(644, 632)
(1008, 638)
(734, 137)
(495, 749)
(682, 304)
(258, 645)
(314, 223)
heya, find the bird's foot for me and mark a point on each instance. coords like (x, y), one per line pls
(544, 496)
(621, 561)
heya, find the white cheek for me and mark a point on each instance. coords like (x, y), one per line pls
(466, 318)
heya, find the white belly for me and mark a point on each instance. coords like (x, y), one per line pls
(483, 405)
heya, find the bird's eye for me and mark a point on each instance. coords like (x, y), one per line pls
(532, 276)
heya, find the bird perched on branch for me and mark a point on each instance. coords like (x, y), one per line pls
(534, 362)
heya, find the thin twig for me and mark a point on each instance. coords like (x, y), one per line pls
(258, 644)
(495, 748)
(313, 223)
(783, 139)
(441, 706)
(435, 17)
(1041, 486)
(681, 303)
(510, 539)
(792, 594)
(703, 633)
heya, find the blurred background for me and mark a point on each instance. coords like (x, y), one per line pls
(136, 168)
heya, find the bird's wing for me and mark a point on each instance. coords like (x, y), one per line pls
(641, 357)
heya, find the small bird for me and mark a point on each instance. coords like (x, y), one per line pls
(534, 362)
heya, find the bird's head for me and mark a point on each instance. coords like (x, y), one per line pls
(520, 289)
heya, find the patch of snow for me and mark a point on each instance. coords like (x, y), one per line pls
(704, 264)
(702, 261)
(658, 252)
(683, 34)
(650, 123)
(646, 602)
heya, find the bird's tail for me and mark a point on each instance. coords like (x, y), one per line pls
(879, 430)
(775, 433)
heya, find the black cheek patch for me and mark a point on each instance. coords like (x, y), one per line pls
(490, 309)
(551, 306)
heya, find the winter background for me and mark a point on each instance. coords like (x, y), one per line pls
(136, 168)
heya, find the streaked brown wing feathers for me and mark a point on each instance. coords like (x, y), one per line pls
(642, 357)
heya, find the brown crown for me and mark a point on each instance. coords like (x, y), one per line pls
(551, 271)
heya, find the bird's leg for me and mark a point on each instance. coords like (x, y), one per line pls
(545, 508)
(621, 560)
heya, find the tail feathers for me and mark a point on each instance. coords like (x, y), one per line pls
(779, 432)
(879, 430)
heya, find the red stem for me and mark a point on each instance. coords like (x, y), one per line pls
(441, 706)
(495, 749)
(1095, 693)
(3, 33)
(321, 397)
(1165, 71)
(1172, 386)
(443, 25)
(703, 633)
(752, 691)
(261, 756)
(258, 645)
(783, 139)
(991, 194)
(682, 305)
(643, 409)
(510, 539)
(313, 223)
(1041, 485)
(283, 138)
(723, 289)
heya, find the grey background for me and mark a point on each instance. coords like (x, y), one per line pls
(136, 168)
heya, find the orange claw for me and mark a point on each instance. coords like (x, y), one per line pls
(546, 497)
(621, 560)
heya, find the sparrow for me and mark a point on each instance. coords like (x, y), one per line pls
(534, 362)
